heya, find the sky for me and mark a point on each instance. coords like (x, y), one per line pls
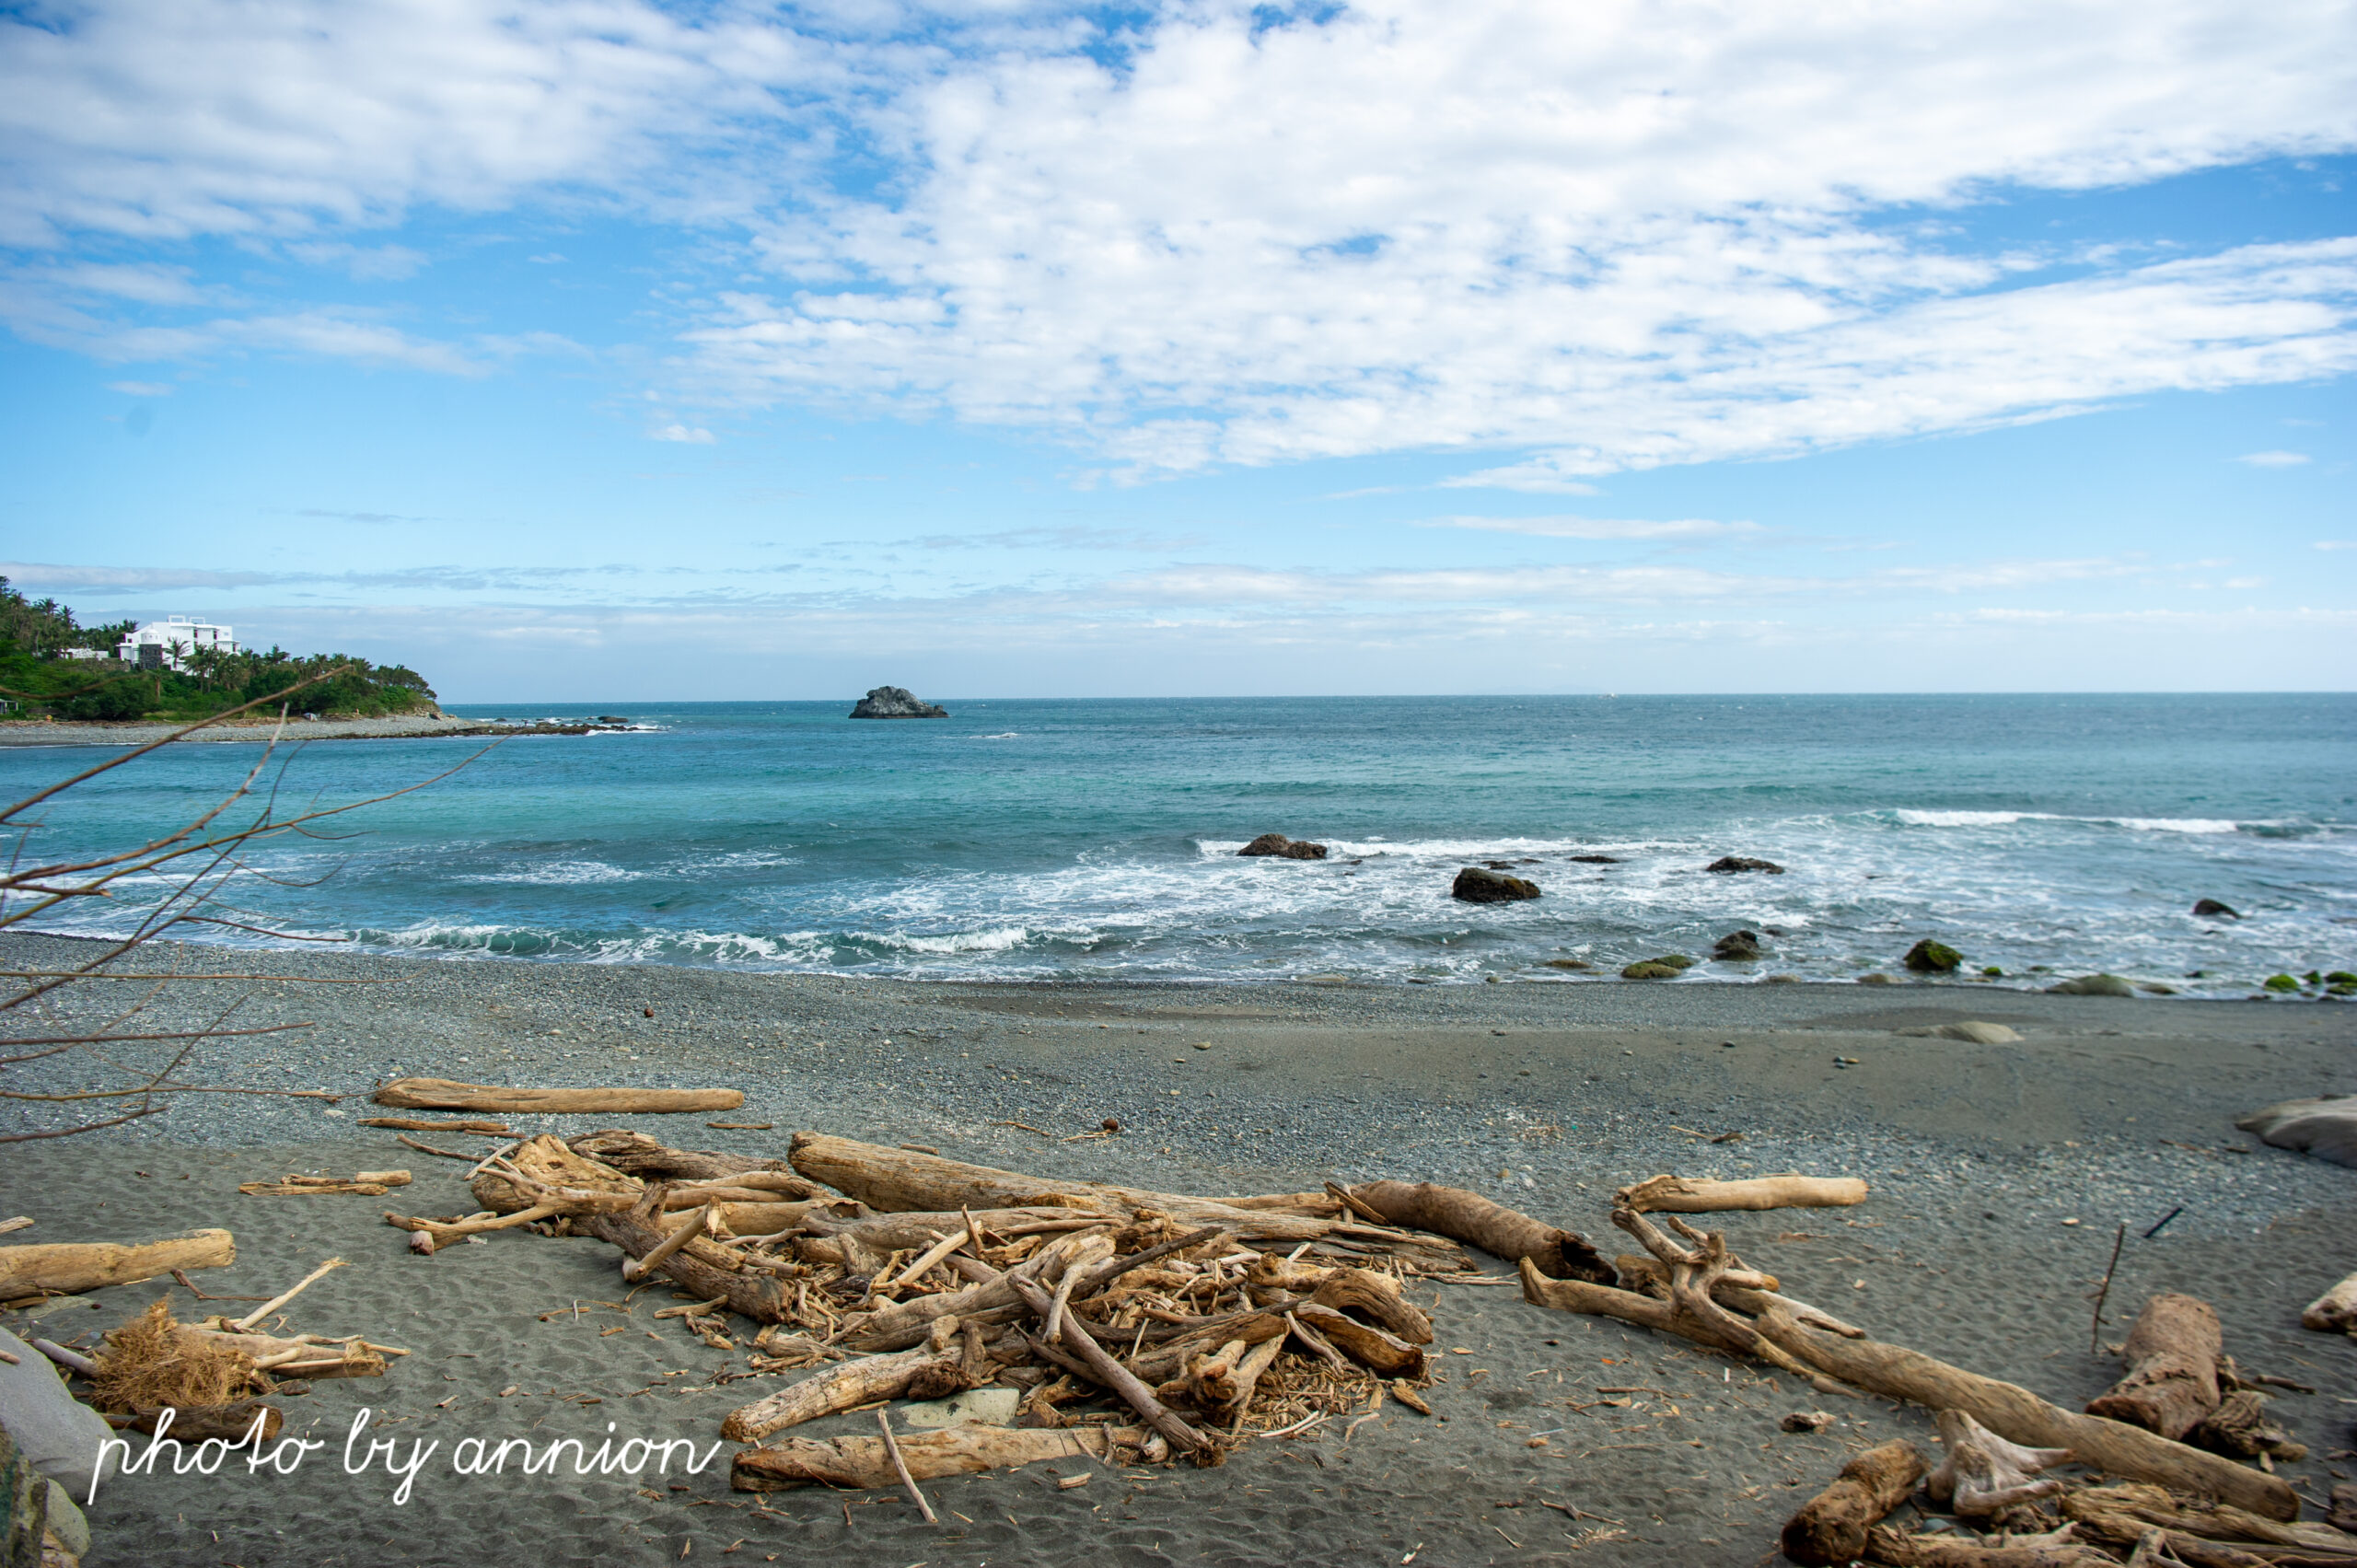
(601, 351)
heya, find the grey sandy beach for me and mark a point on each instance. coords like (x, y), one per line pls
(1999, 1176)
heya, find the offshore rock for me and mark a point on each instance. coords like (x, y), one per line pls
(1478, 885)
(1726, 865)
(895, 703)
(1284, 848)
(2212, 909)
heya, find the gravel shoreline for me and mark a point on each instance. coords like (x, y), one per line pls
(408, 726)
(2109, 1111)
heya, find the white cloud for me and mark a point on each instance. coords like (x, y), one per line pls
(1597, 528)
(2273, 459)
(693, 435)
(1594, 237)
(2336, 544)
(217, 117)
(382, 263)
(1621, 236)
(1542, 475)
(141, 389)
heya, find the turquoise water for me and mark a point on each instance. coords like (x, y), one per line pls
(1095, 839)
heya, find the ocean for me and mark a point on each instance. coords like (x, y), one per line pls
(1095, 840)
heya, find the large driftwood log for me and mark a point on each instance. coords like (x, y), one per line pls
(1469, 1218)
(2172, 1382)
(900, 1179)
(2335, 1311)
(2014, 1413)
(65, 1268)
(1678, 1195)
(700, 1266)
(2125, 1509)
(1901, 1550)
(857, 1463)
(1831, 1526)
(636, 1154)
(880, 1234)
(928, 1372)
(441, 1094)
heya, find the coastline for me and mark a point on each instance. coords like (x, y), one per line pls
(2109, 1110)
(408, 726)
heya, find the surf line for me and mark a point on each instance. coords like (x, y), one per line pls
(469, 1456)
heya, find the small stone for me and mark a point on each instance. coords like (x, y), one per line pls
(1806, 1421)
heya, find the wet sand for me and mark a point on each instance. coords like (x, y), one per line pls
(1545, 1096)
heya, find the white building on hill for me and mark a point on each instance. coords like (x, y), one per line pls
(165, 644)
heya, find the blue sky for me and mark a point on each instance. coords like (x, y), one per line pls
(605, 351)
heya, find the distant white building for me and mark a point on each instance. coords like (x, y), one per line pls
(165, 644)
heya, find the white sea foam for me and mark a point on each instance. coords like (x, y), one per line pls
(557, 874)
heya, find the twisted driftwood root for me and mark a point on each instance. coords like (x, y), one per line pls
(1981, 1475)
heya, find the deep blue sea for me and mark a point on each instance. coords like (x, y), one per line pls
(1096, 839)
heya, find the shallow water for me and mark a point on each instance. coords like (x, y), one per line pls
(1095, 840)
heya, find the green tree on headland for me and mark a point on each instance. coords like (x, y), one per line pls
(38, 679)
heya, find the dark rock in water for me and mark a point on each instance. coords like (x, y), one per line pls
(1284, 848)
(611, 718)
(1478, 885)
(1737, 947)
(895, 703)
(1928, 956)
(1596, 859)
(2325, 1127)
(1728, 864)
(1667, 966)
(1502, 865)
(1569, 964)
(2213, 909)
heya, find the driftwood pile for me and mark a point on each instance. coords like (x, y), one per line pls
(2165, 1440)
(202, 1379)
(1151, 1324)
(1130, 1325)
